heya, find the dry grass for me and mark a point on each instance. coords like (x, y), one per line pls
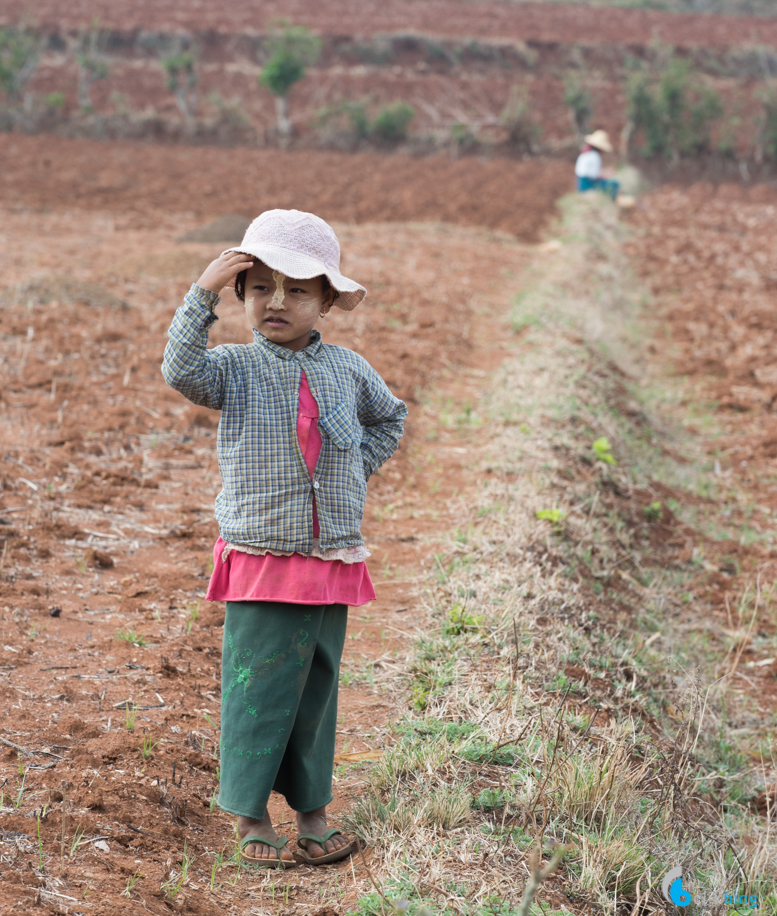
(548, 703)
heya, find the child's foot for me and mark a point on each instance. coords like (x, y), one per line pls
(315, 822)
(247, 826)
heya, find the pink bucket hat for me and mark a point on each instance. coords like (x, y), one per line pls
(300, 245)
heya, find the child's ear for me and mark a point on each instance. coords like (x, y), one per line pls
(327, 301)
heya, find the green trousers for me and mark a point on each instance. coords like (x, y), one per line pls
(279, 678)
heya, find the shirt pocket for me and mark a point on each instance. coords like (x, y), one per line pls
(341, 426)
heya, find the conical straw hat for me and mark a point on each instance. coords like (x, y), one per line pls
(599, 140)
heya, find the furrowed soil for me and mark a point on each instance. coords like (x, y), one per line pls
(709, 255)
(141, 180)
(106, 508)
(108, 477)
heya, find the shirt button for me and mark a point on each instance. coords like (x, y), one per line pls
(315, 484)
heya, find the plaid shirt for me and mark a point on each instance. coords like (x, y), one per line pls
(267, 494)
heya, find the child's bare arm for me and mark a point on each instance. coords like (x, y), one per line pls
(189, 366)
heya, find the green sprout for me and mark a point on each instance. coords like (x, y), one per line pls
(653, 512)
(217, 865)
(459, 621)
(551, 515)
(76, 841)
(603, 450)
(147, 747)
(175, 883)
(131, 882)
(40, 848)
(130, 636)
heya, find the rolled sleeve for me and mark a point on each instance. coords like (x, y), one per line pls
(382, 418)
(188, 365)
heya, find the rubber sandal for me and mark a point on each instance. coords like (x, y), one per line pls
(277, 845)
(330, 856)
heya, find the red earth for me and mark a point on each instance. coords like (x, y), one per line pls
(107, 479)
(546, 22)
(138, 180)
(709, 255)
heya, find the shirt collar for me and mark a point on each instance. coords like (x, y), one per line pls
(284, 352)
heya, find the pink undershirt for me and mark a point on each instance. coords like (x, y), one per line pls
(296, 579)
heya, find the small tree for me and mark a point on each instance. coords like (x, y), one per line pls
(181, 71)
(19, 54)
(767, 123)
(522, 131)
(675, 113)
(392, 122)
(345, 121)
(292, 49)
(92, 66)
(644, 116)
(578, 99)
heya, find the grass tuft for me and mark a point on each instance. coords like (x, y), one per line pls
(130, 636)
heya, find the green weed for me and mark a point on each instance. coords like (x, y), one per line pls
(19, 793)
(193, 613)
(132, 881)
(130, 636)
(218, 864)
(490, 800)
(75, 842)
(147, 747)
(556, 516)
(82, 561)
(176, 881)
(460, 621)
(603, 450)
(40, 848)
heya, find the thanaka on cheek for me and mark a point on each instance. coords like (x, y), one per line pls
(309, 307)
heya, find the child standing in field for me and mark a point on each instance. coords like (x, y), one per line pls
(303, 426)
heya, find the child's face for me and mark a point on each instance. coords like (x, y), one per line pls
(282, 309)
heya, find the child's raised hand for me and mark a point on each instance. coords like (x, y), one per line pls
(225, 268)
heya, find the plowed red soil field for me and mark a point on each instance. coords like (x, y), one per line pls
(106, 506)
(710, 255)
(140, 180)
(449, 18)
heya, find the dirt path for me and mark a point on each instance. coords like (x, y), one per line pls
(108, 480)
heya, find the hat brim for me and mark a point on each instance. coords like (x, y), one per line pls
(303, 267)
(599, 142)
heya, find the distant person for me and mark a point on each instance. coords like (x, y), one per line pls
(588, 167)
(303, 426)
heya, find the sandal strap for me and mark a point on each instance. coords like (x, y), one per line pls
(319, 839)
(260, 840)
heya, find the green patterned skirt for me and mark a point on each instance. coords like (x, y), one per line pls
(280, 672)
